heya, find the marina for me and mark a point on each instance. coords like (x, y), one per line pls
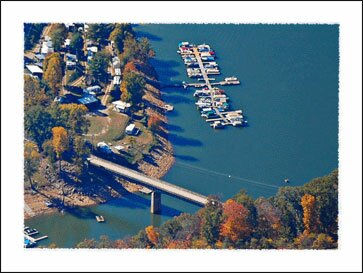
(211, 101)
(29, 239)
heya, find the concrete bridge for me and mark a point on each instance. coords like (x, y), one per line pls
(156, 184)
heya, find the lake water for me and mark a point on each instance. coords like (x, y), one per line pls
(289, 94)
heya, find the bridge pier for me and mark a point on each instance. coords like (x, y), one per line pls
(155, 207)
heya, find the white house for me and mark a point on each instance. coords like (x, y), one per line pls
(47, 47)
(35, 70)
(118, 72)
(121, 106)
(116, 80)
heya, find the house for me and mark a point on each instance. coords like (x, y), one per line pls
(89, 101)
(39, 57)
(93, 90)
(71, 57)
(132, 130)
(121, 106)
(116, 80)
(67, 42)
(47, 47)
(35, 70)
(118, 72)
(93, 49)
(70, 65)
(103, 147)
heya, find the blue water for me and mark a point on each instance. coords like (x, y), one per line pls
(289, 94)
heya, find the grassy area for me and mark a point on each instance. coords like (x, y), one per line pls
(109, 129)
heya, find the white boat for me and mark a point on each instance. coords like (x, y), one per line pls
(231, 79)
(217, 125)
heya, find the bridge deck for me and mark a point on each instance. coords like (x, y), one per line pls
(153, 182)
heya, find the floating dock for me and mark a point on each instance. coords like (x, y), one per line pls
(196, 56)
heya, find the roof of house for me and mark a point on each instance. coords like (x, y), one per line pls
(121, 104)
(39, 56)
(87, 100)
(130, 127)
(34, 68)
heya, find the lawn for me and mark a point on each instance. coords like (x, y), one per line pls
(109, 129)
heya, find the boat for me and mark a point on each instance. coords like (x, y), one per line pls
(168, 107)
(208, 58)
(48, 203)
(183, 44)
(217, 125)
(28, 243)
(286, 180)
(231, 79)
(100, 218)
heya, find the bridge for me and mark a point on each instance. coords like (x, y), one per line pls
(156, 184)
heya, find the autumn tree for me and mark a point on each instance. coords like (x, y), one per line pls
(135, 50)
(243, 198)
(154, 122)
(152, 235)
(74, 118)
(33, 93)
(132, 87)
(31, 160)
(235, 226)
(119, 34)
(76, 45)
(324, 241)
(310, 217)
(60, 142)
(129, 67)
(268, 219)
(53, 72)
(211, 219)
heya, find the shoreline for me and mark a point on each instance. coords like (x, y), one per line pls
(34, 202)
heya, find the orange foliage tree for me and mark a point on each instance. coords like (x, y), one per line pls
(310, 218)
(60, 142)
(152, 235)
(235, 226)
(130, 66)
(154, 122)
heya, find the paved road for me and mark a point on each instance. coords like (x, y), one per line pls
(153, 182)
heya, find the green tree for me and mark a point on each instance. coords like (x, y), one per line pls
(243, 198)
(98, 66)
(38, 124)
(58, 37)
(31, 161)
(76, 45)
(133, 85)
(211, 220)
(32, 33)
(53, 72)
(99, 32)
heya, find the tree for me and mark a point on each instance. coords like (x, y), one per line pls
(53, 72)
(135, 50)
(211, 219)
(133, 86)
(154, 122)
(98, 66)
(152, 235)
(31, 160)
(33, 93)
(73, 116)
(32, 33)
(310, 216)
(99, 32)
(235, 226)
(38, 124)
(248, 203)
(60, 142)
(76, 45)
(58, 34)
(130, 66)
(118, 35)
(324, 241)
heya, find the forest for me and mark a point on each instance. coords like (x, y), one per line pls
(302, 217)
